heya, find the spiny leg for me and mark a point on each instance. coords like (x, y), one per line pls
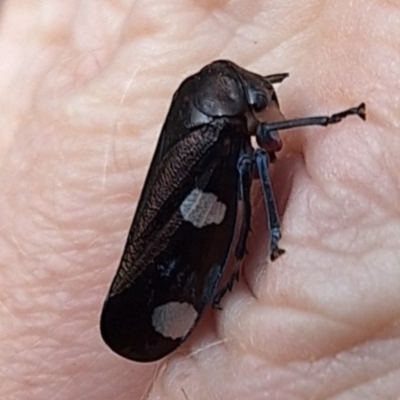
(273, 224)
(245, 178)
(245, 166)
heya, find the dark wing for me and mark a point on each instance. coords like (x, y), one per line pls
(177, 246)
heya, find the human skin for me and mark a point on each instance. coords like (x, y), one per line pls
(85, 86)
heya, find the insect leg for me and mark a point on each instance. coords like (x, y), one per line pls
(227, 287)
(262, 162)
(245, 177)
(276, 78)
(267, 135)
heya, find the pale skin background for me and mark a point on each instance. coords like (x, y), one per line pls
(84, 88)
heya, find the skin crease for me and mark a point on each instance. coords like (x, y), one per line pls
(85, 86)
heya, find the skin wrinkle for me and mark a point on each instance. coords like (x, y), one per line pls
(346, 388)
(84, 96)
(347, 336)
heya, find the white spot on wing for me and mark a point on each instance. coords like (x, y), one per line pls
(174, 319)
(202, 209)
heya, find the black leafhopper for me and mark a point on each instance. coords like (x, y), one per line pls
(195, 210)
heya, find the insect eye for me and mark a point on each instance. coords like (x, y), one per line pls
(260, 101)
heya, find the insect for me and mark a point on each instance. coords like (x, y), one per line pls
(195, 210)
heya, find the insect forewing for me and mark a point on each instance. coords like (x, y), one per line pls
(177, 247)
